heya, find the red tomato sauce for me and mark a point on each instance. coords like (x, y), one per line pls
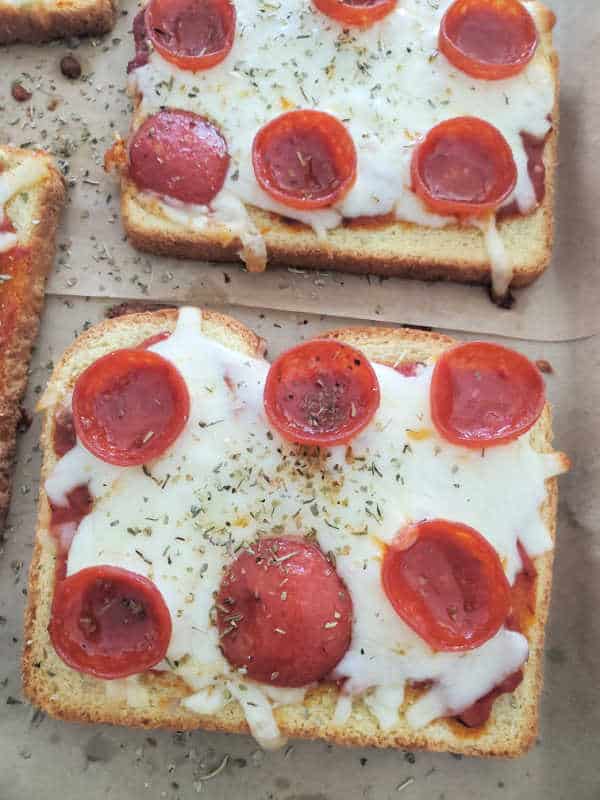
(64, 520)
(523, 595)
(534, 148)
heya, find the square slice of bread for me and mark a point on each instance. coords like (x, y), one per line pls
(455, 253)
(155, 699)
(41, 20)
(34, 214)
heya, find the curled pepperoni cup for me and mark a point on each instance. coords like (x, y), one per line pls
(283, 613)
(447, 583)
(321, 393)
(304, 159)
(463, 167)
(362, 13)
(109, 622)
(193, 34)
(488, 39)
(179, 154)
(483, 395)
(129, 406)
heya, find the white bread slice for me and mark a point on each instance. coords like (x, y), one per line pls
(41, 21)
(67, 694)
(34, 214)
(456, 253)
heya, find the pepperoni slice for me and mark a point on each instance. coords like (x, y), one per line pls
(304, 159)
(179, 154)
(362, 13)
(283, 613)
(193, 34)
(488, 39)
(321, 393)
(129, 406)
(154, 339)
(484, 394)
(464, 166)
(447, 583)
(109, 622)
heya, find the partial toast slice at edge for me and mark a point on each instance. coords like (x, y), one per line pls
(44, 204)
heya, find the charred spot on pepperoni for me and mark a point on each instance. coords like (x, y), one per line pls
(464, 167)
(193, 34)
(304, 159)
(321, 393)
(483, 395)
(179, 154)
(488, 39)
(129, 406)
(283, 613)
(446, 581)
(359, 13)
(109, 622)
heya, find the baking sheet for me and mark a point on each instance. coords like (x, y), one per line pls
(41, 757)
(96, 261)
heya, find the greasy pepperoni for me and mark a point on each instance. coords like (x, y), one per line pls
(464, 167)
(64, 521)
(321, 393)
(155, 339)
(304, 159)
(483, 394)
(488, 39)
(129, 406)
(447, 583)
(361, 13)
(283, 613)
(179, 154)
(109, 622)
(478, 714)
(142, 50)
(64, 432)
(193, 34)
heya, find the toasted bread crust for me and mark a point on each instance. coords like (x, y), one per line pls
(66, 694)
(14, 358)
(41, 23)
(400, 249)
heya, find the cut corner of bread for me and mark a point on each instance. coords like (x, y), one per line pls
(155, 699)
(36, 22)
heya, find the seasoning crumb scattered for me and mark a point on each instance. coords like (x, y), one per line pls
(70, 67)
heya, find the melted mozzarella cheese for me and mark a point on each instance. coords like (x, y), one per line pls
(21, 177)
(7, 241)
(388, 83)
(13, 181)
(229, 479)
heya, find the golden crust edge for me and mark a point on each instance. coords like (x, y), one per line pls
(40, 24)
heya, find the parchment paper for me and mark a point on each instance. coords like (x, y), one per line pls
(42, 758)
(95, 260)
